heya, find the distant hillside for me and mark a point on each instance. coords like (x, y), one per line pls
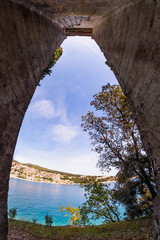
(36, 173)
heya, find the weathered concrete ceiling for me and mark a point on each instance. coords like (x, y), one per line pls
(51, 8)
(88, 13)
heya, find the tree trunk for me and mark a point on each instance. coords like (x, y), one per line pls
(27, 40)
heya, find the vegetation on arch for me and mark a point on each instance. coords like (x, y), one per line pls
(115, 137)
(57, 54)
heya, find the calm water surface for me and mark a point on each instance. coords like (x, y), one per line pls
(34, 200)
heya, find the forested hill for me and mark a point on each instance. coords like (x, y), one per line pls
(36, 173)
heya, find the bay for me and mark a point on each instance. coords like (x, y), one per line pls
(34, 200)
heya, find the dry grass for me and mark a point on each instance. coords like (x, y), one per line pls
(140, 229)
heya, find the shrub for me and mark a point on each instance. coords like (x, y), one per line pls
(48, 220)
(12, 213)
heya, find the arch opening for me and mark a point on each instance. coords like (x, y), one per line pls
(51, 135)
(58, 105)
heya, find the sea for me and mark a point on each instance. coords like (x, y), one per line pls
(33, 200)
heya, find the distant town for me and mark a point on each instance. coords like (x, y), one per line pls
(36, 173)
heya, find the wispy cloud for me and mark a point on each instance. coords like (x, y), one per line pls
(45, 109)
(42, 108)
(63, 133)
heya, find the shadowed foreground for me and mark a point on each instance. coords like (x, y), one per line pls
(140, 229)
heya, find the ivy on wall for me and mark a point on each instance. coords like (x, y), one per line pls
(57, 54)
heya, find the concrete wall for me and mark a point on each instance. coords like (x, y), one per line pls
(130, 40)
(27, 42)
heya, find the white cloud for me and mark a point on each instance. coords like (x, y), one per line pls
(45, 109)
(63, 133)
(42, 108)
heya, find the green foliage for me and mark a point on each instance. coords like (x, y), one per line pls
(47, 179)
(100, 203)
(48, 220)
(109, 65)
(12, 213)
(57, 54)
(111, 133)
(78, 178)
(137, 199)
(115, 137)
(85, 179)
(145, 202)
(136, 194)
(75, 217)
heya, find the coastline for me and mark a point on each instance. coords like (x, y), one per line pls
(54, 183)
(35, 173)
(15, 177)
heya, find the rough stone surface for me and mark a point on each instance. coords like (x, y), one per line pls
(130, 41)
(134, 57)
(27, 42)
(127, 32)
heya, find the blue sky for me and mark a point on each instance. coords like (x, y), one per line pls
(51, 135)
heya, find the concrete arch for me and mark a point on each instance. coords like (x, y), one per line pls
(128, 34)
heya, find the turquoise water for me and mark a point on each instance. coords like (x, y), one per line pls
(34, 200)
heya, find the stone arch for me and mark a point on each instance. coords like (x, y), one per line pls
(128, 34)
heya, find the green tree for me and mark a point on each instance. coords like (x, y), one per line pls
(127, 189)
(115, 137)
(100, 203)
(48, 220)
(12, 213)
